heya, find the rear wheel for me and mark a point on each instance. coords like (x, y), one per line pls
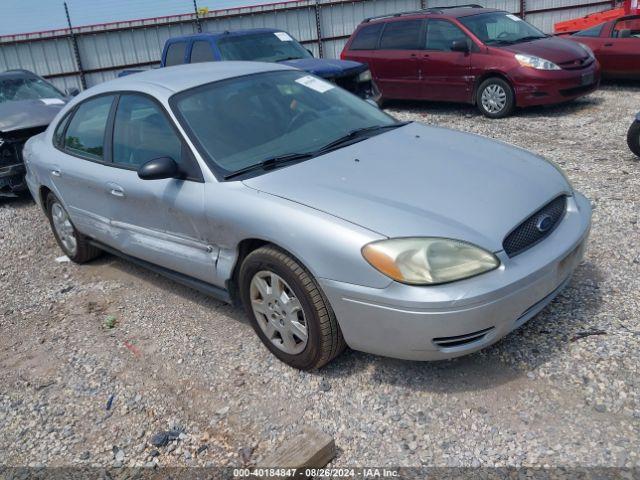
(495, 98)
(633, 138)
(75, 245)
(287, 310)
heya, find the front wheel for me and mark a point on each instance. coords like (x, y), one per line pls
(288, 311)
(495, 98)
(633, 138)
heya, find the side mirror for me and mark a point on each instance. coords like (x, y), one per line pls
(310, 52)
(72, 92)
(460, 46)
(371, 101)
(158, 169)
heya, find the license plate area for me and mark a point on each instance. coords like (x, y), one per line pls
(587, 78)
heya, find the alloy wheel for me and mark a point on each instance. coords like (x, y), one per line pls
(64, 229)
(278, 312)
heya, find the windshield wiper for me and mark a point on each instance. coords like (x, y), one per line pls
(356, 135)
(270, 163)
(288, 58)
(530, 38)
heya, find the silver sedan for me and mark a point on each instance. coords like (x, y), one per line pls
(331, 222)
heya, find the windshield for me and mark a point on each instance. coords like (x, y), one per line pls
(244, 121)
(498, 28)
(26, 88)
(261, 47)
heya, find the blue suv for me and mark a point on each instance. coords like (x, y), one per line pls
(268, 45)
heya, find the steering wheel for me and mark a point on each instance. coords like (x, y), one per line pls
(299, 118)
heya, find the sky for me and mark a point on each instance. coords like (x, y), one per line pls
(21, 16)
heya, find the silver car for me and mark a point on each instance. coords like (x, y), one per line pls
(331, 222)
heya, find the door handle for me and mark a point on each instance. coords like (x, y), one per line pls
(608, 44)
(117, 192)
(56, 173)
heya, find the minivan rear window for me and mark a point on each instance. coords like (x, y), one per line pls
(367, 37)
(403, 35)
(175, 54)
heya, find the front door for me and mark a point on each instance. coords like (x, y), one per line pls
(160, 221)
(446, 75)
(620, 54)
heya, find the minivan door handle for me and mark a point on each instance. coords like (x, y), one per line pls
(608, 44)
(56, 172)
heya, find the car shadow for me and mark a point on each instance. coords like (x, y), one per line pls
(546, 336)
(18, 201)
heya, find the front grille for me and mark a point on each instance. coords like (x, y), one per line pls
(578, 64)
(459, 340)
(535, 228)
(13, 143)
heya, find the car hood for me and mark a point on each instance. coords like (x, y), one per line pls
(327, 68)
(17, 115)
(557, 50)
(423, 181)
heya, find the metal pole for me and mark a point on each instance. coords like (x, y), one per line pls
(523, 9)
(76, 50)
(319, 28)
(423, 4)
(195, 8)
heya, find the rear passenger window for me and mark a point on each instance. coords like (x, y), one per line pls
(58, 134)
(367, 38)
(142, 132)
(175, 54)
(201, 52)
(403, 35)
(441, 34)
(85, 134)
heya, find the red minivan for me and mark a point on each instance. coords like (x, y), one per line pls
(470, 54)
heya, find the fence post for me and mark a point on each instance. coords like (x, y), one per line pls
(195, 9)
(423, 4)
(76, 50)
(523, 9)
(316, 7)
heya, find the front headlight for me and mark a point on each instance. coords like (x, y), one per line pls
(587, 49)
(428, 260)
(365, 76)
(536, 62)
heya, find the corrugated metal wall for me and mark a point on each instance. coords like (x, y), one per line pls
(106, 50)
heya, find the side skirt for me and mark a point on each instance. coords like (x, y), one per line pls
(203, 287)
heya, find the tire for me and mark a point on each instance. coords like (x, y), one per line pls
(273, 322)
(500, 100)
(633, 138)
(83, 251)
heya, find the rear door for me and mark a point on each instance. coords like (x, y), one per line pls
(620, 53)
(79, 166)
(160, 221)
(396, 61)
(445, 74)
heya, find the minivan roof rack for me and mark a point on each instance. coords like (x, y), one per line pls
(424, 10)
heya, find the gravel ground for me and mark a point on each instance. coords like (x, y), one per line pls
(76, 338)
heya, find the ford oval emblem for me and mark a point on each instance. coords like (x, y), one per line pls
(544, 223)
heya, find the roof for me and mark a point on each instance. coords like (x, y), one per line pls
(455, 12)
(163, 82)
(17, 73)
(233, 33)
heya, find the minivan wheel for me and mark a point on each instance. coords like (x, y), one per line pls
(75, 245)
(633, 138)
(287, 310)
(495, 98)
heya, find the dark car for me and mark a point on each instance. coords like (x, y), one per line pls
(267, 45)
(616, 45)
(482, 56)
(28, 103)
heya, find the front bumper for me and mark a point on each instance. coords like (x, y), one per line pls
(537, 87)
(445, 321)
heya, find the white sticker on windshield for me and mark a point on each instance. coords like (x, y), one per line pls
(315, 83)
(52, 101)
(513, 17)
(283, 36)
